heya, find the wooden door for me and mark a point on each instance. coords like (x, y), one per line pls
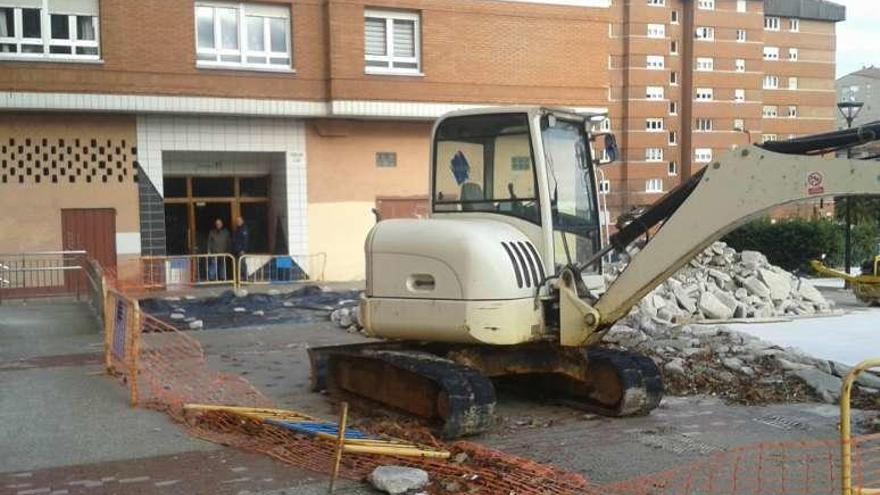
(92, 230)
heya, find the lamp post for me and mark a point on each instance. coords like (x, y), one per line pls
(850, 110)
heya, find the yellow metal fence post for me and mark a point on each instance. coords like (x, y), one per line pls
(134, 350)
(846, 428)
(340, 445)
(108, 330)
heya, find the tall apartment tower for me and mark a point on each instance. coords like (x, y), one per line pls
(691, 79)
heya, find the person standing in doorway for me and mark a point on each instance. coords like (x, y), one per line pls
(219, 243)
(240, 242)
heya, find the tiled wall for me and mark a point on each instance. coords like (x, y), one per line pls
(152, 216)
(162, 133)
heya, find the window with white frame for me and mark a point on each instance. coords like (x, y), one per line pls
(653, 125)
(771, 53)
(705, 33)
(656, 30)
(242, 35)
(703, 125)
(741, 35)
(770, 111)
(705, 63)
(739, 125)
(792, 83)
(654, 186)
(740, 65)
(673, 78)
(604, 186)
(703, 155)
(794, 25)
(673, 47)
(771, 82)
(740, 5)
(705, 94)
(51, 29)
(771, 23)
(792, 111)
(793, 54)
(769, 137)
(653, 154)
(706, 4)
(674, 17)
(657, 3)
(673, 138)
(672, 168)
(655, 62)
(673, 108)
(392, 42)
(739, 95)
(654, 92)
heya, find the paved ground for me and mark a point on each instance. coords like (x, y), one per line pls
(65, 428)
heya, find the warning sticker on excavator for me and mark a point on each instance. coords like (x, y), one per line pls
(815, 183)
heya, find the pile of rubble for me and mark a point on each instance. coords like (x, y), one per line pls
(722, 284)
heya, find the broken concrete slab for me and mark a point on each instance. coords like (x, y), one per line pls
(398, 480)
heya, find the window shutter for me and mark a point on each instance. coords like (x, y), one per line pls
(374, 36)
(82, 7)
(266, 10)
(404, 38)
(27, 4)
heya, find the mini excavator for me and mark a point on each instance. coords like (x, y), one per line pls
(503, 283)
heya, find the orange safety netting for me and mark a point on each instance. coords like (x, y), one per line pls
(166, 368)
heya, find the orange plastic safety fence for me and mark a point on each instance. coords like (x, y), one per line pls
(866, 462)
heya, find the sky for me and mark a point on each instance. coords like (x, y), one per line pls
(858, 37)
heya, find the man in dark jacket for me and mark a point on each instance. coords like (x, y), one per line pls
(218, 244)
(241, 239)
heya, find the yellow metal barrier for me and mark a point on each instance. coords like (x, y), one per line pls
(194, 270)
(280, 269)
(846, 443)
(122, 334)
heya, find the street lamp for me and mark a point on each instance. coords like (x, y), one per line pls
(850, 110)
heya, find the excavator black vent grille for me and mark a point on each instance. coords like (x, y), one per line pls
(527, 266)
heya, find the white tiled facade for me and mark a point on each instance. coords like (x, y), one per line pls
(163, 133)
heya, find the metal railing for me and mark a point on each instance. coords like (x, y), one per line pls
(42, 274)
(162, 272)
(846, 440)
(280, 269)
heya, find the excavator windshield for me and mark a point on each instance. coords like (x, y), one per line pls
(576, 230)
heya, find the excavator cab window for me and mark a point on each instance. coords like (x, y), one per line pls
(485, 163)
(576, 230)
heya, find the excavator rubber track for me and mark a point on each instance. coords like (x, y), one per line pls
(456, 399)
(639, 386)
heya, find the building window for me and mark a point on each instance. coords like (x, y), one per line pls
(657, 3)
(739, 125)
(740, 5)
(771, 23)
(793, 54)
(739, 95)
(705, 94)
(792, 112)
(771, 82)
(771, 53)
(604, 186)
(653, 125)
(673, 47)
(768, 137)
(388, 159)
(51, 30)
(653, 154)
(392, 42)
(792, 83)
(704, 125)
(794, 25)
(672, 168)
(654, 92)
(741, 35)
(673, 78)
(740, 65)
(770, 112)
(706, 4)
(703, 155)
(242, 35)
(673, 108)
(674, 17)
(705, 64)
(654, 186)
(656, 30)
(673, 138)
(705, 33)
(655, 62)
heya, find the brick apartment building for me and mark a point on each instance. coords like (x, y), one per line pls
(304, 115)
(739, 71)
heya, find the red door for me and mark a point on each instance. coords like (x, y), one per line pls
(92, 230)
